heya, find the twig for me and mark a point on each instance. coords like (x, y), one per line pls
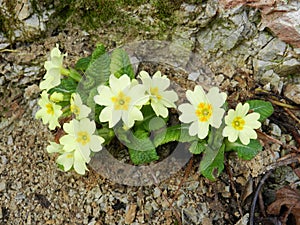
(265, 136)
(291, 114)
(275, 102)
(253, 204)
(294, 158)
(261, 204)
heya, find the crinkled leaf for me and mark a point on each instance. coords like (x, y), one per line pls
(120, 64)
(174, 133)
(246, 152)
(99, 69)
(265, 109)
(197, 147)
(100, 50)
(83, 63)
(214, 169)
(141, 157)
(141, 148)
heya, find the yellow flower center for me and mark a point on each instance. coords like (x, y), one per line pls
(69, 156)
(238, 123)
(75, 109)
(121, 101)
(204, 111)
(50, 109)
(83, 137)
(154, 91)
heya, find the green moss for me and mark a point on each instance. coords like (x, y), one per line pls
(8, 21)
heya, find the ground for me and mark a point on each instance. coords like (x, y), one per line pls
(34, 191)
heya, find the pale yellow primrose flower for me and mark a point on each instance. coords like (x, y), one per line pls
(80, 110)
(204, 110)
(49, 112)
(56, 97)
(122, 100)
(68, 159)
(240, 125)
(54, 147)
(80, 137)
(54, 69)
(75, 159)
(156, 89)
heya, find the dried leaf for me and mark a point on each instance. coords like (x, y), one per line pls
(288, 197)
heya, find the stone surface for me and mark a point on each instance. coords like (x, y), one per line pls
(292, 91)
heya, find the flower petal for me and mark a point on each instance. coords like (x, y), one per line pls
(188, 113)
(215, 98)
(104, 97)
(69, 143)
(203, 128)
(118, 84)
(96, 143)
(252, 120)
(160, 109)
(66, 160)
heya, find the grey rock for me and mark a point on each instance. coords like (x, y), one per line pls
(2, 186)
(271, 79)
(23, 9)
(274, 50)
(292, 91)
(275, 130)
(288, 67)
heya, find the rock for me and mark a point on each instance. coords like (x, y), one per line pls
(274, 50)
(244, 220)
(271, 80)
(2, 186)
(130, 214)
(292, 92)
(285, 24)
(23, 9)
(156, 192)
(275, 130)
(3, 42)
(289, 67)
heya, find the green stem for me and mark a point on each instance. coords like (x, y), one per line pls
(75, 75)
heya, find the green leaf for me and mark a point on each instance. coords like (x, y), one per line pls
(215, 167)
(140, 147)
(100, 50)
(265, 109)
(67, 85)
(83, 63)
(120, 64)
(197, 147)
(107, 133)
(142, 157)
(246, 152)
(99, 69)
(174, 133)
(212, 155)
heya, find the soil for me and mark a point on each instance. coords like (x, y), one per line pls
(34, 191)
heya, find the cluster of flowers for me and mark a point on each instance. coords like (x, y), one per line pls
(123, 99)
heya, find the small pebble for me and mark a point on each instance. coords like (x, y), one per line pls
(2, 186)
(130, 214)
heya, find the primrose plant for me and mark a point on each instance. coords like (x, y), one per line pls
(102, 100)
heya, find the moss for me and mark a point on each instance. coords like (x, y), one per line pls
(8, 21)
